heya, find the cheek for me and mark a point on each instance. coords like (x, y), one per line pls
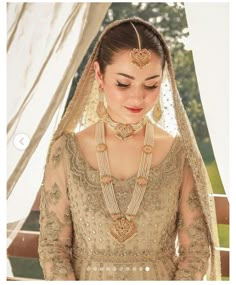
(114, 96)
(151, 97)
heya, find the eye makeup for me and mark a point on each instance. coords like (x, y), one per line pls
(127, 85)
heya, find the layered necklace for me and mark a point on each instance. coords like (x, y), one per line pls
(123, 226)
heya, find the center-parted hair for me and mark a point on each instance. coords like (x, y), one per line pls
(124, 37)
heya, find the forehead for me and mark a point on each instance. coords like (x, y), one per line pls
(121, 62)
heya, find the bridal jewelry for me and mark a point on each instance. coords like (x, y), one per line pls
(101, 109)
(157, 112)
(122, 131)
(123, 227)
(140, 57)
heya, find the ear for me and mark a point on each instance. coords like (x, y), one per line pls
(98, 74)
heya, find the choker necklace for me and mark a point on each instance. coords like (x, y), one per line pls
(124, 131)
(123, 227)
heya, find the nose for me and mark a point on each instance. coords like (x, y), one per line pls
(137, 97)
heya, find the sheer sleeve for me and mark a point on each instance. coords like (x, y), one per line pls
(55, 237)
(193, 240)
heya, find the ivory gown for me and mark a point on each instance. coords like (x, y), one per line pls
(75, 243)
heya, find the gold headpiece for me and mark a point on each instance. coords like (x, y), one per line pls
(140, 57)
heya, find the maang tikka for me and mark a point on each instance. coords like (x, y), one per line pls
(140, 57)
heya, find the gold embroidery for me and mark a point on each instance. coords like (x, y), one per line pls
(193, 200)
(157, 225)
(43, 203)
(180, 221)
(61, 268)
(196, 253)
(52, 227)
(56, 157)
(67, 216)
(55, 193)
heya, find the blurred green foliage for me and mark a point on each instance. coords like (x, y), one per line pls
(215, 179)
(223, 231)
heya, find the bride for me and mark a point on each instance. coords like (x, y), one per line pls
(126, 197)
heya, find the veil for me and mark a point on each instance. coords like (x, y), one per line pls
(81, 113)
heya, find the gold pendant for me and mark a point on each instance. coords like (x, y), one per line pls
(140, 57)
(124, 132)
(122, 229)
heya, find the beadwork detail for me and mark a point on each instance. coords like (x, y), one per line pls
(123, 228)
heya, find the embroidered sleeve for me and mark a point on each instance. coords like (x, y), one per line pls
(55, 219)
(193, 240)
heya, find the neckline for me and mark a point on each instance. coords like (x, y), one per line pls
(152, 168)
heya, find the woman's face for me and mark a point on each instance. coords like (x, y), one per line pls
(130, 92)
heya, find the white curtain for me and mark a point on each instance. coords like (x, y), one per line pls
(46, 44)
(208, 25)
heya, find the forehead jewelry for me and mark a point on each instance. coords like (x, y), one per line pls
(140, 57)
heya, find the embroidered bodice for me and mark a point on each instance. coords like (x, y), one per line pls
(75, 242)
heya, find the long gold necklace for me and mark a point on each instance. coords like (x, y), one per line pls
(123, 227)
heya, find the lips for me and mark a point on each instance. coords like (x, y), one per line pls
(134, 110)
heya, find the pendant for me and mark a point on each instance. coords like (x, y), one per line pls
(122, 229)
(140, 57)
(124, 131)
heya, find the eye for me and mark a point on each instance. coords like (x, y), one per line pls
(151, 87)
(122, 85)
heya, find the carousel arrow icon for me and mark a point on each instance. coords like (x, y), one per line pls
(21, 141)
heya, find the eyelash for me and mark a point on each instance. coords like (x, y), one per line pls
(124, 86)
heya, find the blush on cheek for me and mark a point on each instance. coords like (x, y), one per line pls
(115, 96)
(153, 98)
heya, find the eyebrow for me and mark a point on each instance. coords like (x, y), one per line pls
(131, 77)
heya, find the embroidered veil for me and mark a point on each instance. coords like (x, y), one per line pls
(81, 112)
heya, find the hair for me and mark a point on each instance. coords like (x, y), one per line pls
(123, 37)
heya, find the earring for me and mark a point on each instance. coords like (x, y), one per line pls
(157, 112)
(101, 109)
